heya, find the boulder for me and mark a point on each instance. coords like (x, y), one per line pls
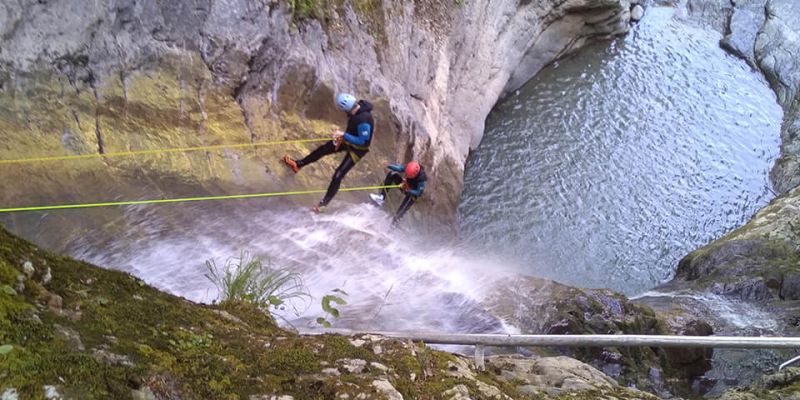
(540, 306)
(637, 12)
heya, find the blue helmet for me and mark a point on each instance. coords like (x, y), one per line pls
(345, 101)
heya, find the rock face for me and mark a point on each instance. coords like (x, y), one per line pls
(542, 306)
(115, 75)
(746, 282)
(637, 12)
(765, 34)
(752, 270)
(784, 385)
(758, 263)
(559, 376)
(539, 306)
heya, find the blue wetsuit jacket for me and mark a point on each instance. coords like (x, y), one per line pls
(416, 185)
(360, 127)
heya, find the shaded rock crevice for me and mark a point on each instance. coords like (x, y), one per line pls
(98, 131)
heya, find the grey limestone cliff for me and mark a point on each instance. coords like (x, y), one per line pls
(126, 74)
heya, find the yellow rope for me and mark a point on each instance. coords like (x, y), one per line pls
(157, 151)
(185, 199)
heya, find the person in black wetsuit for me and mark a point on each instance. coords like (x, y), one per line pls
(355, 140)
(412, 179)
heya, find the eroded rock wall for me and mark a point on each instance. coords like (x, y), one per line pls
(758, 262)
(540, 306)
(766, 34)
(114, 75)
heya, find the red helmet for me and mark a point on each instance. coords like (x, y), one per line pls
(412, 169)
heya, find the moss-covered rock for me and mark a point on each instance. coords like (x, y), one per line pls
(109, 335)
(540, 306)
(560, 377)
(749, 269)
(784, 385)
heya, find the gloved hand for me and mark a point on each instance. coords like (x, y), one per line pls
(405, 187)
(338, 139)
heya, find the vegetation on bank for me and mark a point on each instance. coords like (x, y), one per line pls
(92, 333)
(84, 332)
(245, 279)
(305, 9)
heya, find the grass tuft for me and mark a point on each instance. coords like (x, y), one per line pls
(247, 280)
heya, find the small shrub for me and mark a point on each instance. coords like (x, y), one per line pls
(329, 309)
(303, 9)
(246, 279)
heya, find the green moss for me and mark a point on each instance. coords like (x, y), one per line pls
(304, 9)
(252, 314)
(604, 394)
(336, 347)
(373, 14)
(290, 356)
(158, 333)
(507, 387)
(114, 334)
(8, 275)
(406, 365)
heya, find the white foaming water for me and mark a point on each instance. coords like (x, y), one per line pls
(734, 313)
(395, 279)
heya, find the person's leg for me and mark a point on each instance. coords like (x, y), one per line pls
(336, 181)
(321, 151)
(404, 206)
(392, 178)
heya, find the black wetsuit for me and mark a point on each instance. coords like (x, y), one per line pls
(415, 188)
(356, 141)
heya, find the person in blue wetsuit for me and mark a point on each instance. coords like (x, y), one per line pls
(355, 140)
(411, 178)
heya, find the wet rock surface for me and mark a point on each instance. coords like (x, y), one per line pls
(115, 76)
(539, 306)
(739, 288)
(783, 385)
(745, 282)
(751, 270)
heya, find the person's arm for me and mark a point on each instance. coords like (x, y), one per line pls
(364, 132)
(418, 191)
(397, 168)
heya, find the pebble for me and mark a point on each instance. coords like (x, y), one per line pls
(637, 13)
(28, 269)
(55, 302)
(47, 277)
